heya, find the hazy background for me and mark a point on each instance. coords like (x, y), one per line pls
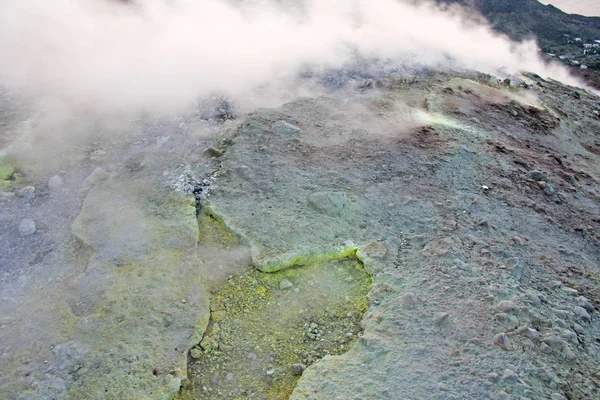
(584, 7)
(161, 55)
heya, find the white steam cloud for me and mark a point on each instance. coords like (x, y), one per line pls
(160, 53)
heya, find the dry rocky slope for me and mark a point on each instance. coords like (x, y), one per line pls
(483, 206)
(474, 206)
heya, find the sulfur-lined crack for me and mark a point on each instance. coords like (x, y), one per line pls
(265, 328)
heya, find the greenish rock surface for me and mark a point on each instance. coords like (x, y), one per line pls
(121, 327)
(413, 204)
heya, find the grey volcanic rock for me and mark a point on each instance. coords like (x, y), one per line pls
(411, 189)
(328, 203)
(27, 227)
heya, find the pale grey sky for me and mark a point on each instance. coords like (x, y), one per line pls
(583, 7)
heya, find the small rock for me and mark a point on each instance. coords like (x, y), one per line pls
(328, 203)
(534, 299)
(585, 303)
(510, 376)
(564, 314)
(271, 372)
(560, 323)
(555, 284)
(493, 377)
(196, 353)
(569, 354)
(516, 265)
(555, 342)
(537, 176)
(285, 284)
(375, 250)
(213, 152)
(548, 189)
(582, 314)
(55, 182)
(569, 335)
(504, 396)
(408, 300)
(27, 227)
(578, 328)
(505, 306)
(528, 332)
(502, 341)
(28, 192)
(557, 396)
(297, 369)
(530, 394)
(461, 265)
(162, 140)
(570, 291)
(506, 319)
(544, 348)
(440, 318)
(286, 129)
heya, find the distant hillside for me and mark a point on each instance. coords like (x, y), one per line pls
(557, 33)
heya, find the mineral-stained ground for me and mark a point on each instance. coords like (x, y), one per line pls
(436, 237)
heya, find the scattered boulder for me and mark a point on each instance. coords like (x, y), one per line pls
(582, 314)
(328, 203)
(286, 129)
(297, 369)
(505, 306)
(501, 340)
(213, 152)
(510, 376)
(27, 227)
(538, 176)
(408, 300)
(28, 192)
(585, 303)
(285, 284)
(55, 183)
(440, 318)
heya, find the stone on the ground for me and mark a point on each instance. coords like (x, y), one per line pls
(213, 152)
(328, 203)
(537, 176)
(27, 227)
(461, 265)
(56, 182)
(297, 369)
(510, 376)
(285, 284)
(408, 300)
(286, 129)
(440, 318)
(582, 314)
(546, 187)
(528, 332)
(505, 306)
(555, 342)
(502, 341)
(585, 303)
(28, 192)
